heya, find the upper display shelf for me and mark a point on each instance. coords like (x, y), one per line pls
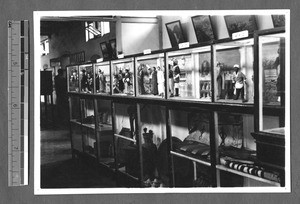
(221, 72)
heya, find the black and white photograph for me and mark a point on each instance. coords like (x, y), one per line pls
(236, 23)
(105, 50)
(203, 28)
(204, 118)
(278, 20)
(149, 102)
(175, 33)
(113, 49)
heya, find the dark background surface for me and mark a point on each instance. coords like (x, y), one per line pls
(23, 10)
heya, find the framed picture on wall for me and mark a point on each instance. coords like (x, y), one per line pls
(175, 33)
(113, 49)
(278, 20)
(237, 23)
(104, 50)
(203, 28)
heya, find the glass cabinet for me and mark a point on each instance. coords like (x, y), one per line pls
(75, 123)
(73, 78)
(150, 70)
(271, 49)
(212, 115)
(189, 74)
(86, 78)
(233, 71)
(153, 142)
(190, 147)
(271, 106)
(104, 132)
(88, 127)
(102, 78)
(123, 77)
(126, 144)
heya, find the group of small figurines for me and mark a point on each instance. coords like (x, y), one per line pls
(150, 160)
(151, 79)
(86, 81)
(123, 82)
(230, 82)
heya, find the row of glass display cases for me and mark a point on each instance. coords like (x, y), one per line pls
(163, 146)
(200, 73)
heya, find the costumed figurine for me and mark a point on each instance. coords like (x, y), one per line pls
(84, 81)
(149, 154)
(240, 80)
(154, 82)
(160, 81)
(176, 77)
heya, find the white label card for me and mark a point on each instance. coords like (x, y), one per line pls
(121, 56)
(242, 34)
(184, 45)
(148, 51)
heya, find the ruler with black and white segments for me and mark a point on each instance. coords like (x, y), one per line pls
(18, 102)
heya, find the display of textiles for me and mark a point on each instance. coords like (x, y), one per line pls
(237, 153)
(193, 147)
(251, 169)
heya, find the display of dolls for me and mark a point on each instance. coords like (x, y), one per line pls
(176, 77)
(160, 81)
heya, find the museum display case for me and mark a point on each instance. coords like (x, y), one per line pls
(104, 132)
(190, 147)
(233, 71)
(270, 110)
(150, 71)
(127, 152)
(75, 123)
(123, 82)
(211, 127)
(73, 78)
(153, 143)
(189, 74)
(88, 126)
(86, 78)
(102, 77)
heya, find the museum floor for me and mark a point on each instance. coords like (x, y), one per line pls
(59, 170)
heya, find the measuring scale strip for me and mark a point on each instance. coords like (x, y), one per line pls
(18, 102)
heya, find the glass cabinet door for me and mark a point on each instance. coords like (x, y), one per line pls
(189, 74)
(86, 78)
(73, 79)
(233, 71)
(153, 142)
(272, 68)
(126, 145)
(105, 145)
(123, 77)
(271, 129)
(75, 123)
(190, 148)
(102, 78)
(88, 127)
(150, 70)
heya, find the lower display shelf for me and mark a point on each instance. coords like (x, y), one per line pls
(91, 126)
(123, 171)
(74, 121)
(207, 163)
(124, 137)
(108, 162)
(257, 178)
